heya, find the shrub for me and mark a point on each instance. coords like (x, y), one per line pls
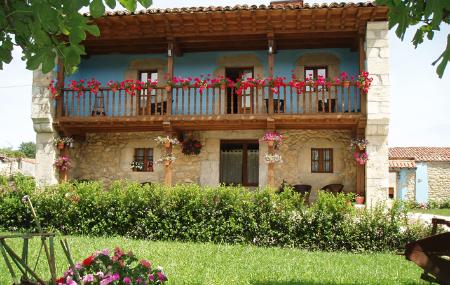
(207, 214)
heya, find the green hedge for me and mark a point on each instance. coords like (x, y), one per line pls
(204, 214)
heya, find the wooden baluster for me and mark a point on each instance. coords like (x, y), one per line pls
(323, 98)
(304, 100)
(329, 98)
(291, 103)
(66, 103)
(183, 112)
(342, 99)
(113, 98)
(355, 99)
(125, 103)
(201, 95)
(213, 100)
(105, 111)
(169, 99)
(189, 102)
(196, 94)
(220, 99)
(78, 105)
(177, 95)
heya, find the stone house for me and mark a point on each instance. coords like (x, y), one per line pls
(114, 127)
(13, 165)
(420, 174)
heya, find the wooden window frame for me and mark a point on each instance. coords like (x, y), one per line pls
(146, 160)
(315, 69)
(321, 160)
(245, 144)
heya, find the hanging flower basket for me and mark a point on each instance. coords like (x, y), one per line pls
(359, 199)
(361, 157)
(62, 163)
(166, 141)
(272, 158)
(273, 139)
(359, 143)
(166, 159)
(191, 147)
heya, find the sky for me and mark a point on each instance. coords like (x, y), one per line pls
(420, 101)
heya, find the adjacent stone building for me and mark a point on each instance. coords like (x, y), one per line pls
(420, 174)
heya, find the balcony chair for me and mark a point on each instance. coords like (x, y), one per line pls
(334, 188)
(275, 105)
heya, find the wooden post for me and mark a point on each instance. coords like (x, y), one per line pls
(170, 59)
(271, 166)
(271, 64)
(360, 170)
(168, 166)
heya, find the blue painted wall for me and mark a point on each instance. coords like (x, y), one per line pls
(421, 182)
(402, 188)
(113, 66)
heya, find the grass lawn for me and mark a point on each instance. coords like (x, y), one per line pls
(191, 263)
(440, 212)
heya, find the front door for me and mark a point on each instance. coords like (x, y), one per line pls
(235, 104)
(239, 163)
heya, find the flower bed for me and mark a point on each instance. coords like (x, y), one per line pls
(119, 268)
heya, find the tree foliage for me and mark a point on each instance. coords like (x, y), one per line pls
(428, 14)
(28, 148)
(47, 29)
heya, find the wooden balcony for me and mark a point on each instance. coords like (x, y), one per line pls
(211, 108)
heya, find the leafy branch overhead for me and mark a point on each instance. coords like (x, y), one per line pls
(47, 29)
(428, 14)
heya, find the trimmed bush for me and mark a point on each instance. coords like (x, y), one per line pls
(205, 214)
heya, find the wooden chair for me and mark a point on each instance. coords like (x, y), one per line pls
(334, 188)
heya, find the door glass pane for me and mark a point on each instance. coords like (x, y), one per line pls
(253, 166)
(231, 166)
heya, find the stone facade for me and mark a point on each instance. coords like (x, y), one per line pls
(378, 104)
(439, 180)
(42, 112)
(107, 157)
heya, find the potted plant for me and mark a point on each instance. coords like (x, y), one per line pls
(93, 85)
(167, 159)
(359, 143)
(113, 85)
(273, 158)
(54, 90)
(361, 157)
(191, 147)
(364, 82)
(274, 139)
(137, 165)
(102, 267)
(166, 141)
(344, 79)
(359, 199)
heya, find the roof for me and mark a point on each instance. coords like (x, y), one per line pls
(420, 153)
(287, 6)
(402, 163)
(199, 29)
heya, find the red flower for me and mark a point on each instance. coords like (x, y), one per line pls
(88, 261)
(60, 280)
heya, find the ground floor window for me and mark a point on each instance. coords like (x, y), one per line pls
(143, 160)
(322, 160)
(239, 162)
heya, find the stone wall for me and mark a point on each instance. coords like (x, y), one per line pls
(107, 157)
(439, 180)
(42, 112)
(378, 104)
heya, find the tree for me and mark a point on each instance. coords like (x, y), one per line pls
(48, 29)
(429, 14)
(28, 148)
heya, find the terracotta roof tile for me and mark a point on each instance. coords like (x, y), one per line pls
(401, 163)
(420, 153)
(240, 7)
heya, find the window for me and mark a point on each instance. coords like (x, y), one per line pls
(322, 160)
(143, 160)
(391, 192)
(145, 95)
(314, 72)
(239, 162)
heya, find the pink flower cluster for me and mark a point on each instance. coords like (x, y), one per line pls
(62, 163)
(120, 268)
(132, 87)
(361, 157)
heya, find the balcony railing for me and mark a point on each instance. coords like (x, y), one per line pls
(211, 101)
